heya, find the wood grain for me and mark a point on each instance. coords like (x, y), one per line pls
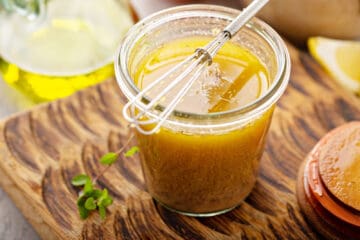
(42, 149)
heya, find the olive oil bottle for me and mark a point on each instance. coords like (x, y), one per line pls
(67, 46)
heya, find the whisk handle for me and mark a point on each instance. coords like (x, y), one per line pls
(245, 16)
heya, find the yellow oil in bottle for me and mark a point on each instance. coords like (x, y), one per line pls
(68, 50)
(40, 87)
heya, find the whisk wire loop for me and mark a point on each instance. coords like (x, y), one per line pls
(137, 100)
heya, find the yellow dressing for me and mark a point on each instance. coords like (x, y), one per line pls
(216, 169)
(242, 77)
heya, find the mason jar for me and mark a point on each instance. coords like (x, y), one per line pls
(204, 164)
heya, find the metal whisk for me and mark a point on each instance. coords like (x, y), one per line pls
(138, 113)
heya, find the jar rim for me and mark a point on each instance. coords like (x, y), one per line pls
(257, 26)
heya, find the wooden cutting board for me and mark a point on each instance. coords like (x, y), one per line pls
(42, 149)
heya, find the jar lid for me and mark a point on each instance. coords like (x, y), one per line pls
(339, 164)
(329, 182)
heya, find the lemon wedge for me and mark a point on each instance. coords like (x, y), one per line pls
(340, 58)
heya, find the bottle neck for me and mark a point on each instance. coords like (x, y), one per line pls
(27, 8)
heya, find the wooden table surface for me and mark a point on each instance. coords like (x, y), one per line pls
(345, 106)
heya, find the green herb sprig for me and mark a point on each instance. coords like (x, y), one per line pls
(91, 198)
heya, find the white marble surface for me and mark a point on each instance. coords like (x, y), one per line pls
(13, 226)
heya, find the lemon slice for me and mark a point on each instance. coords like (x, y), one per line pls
(340, 58)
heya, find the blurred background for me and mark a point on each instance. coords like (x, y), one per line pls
(296, 20)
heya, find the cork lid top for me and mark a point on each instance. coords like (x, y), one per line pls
(339, 163)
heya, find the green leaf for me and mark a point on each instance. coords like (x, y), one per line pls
(81, 200)
(104, 195)
(88, 188)
(90, 198)
(102, 212)
(96, 194)
(90, 204)
(132, 151)
(109, 158)
(80, 180)
(107, 201)
(84, 213)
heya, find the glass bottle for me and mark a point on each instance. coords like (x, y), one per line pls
(52, 48)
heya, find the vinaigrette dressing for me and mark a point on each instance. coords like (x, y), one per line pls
(208, 172)
(235, 78)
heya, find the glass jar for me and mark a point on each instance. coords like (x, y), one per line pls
(204, 164)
